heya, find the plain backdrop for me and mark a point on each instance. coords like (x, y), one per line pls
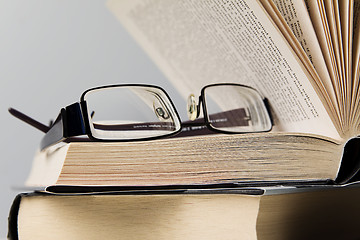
(50, 52)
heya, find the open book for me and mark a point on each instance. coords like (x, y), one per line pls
(303, 56)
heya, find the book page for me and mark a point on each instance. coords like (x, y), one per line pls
(322, 86)
(331, 12)
(356, 45)
(196, 43)
(346, 25)
(296, 16)
(333, 18)
(320, 23)
(356, 63)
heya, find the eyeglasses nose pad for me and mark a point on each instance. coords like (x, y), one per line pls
(160, 111)
(192, 109)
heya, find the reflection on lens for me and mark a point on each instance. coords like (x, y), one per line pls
(130, 112)
(236, 108)
(160, 111)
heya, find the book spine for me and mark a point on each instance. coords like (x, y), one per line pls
(350, 164)
(13, 218)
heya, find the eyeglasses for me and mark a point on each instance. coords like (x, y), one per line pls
(143, 112)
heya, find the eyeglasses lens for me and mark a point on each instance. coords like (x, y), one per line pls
(130, 112)
(235, 108)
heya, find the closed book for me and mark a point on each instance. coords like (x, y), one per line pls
(319, 212)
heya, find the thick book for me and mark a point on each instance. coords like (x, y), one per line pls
(235, 213)
(302, 56)
(209, 159)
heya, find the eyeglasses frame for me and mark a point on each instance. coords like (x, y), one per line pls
(207, 122)
(73, 120)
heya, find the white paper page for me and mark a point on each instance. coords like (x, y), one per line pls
(196, 43)
(296, 16)
(356, 59)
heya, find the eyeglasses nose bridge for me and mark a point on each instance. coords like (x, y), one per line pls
(193, 108)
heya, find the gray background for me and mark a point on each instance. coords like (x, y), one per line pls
(50, 52)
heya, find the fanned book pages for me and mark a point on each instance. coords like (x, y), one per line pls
(267, 213)
(302, 56)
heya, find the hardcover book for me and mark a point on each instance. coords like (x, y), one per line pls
(222, 213)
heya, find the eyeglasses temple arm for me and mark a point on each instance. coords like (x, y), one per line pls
(69, 123)
(29, 120)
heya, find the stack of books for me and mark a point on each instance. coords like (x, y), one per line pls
(297, 181)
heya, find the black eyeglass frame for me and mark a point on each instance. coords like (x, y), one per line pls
(207, 121)
(73, 120)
